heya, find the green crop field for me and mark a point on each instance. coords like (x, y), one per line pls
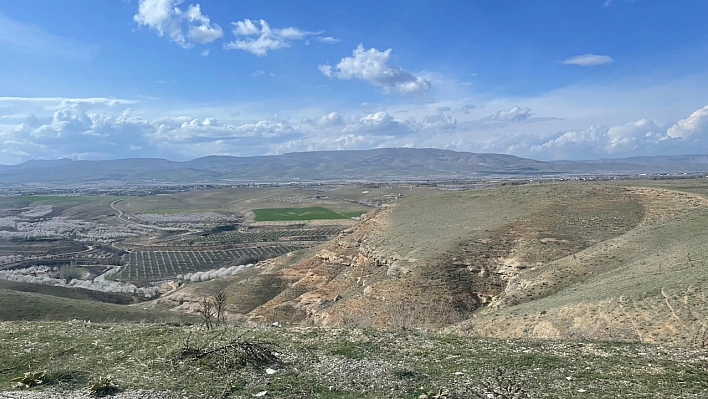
(311, 213)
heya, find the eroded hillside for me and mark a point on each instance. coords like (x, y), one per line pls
(547, 261)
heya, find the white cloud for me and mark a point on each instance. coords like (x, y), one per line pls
(79, 134)
(326, 70)
(259, 40)
(328, 40)
(106, 128)
(507, 117)
(165, 17)
(643, 137)
(695, 125)
(204, 31)
(372, 66)
(332, 119)
(379, 123)
(514, 114)
(588, 60)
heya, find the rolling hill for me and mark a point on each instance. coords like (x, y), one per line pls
(604, 261)
(378, 164)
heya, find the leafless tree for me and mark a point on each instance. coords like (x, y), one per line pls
(206, 311)
(220, 306)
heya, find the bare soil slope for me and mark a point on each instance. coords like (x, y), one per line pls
(545, 261)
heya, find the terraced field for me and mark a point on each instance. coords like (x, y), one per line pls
(160, 265)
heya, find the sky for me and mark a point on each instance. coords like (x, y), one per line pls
(178, 79)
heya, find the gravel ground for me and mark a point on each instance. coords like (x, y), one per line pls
(141, 394)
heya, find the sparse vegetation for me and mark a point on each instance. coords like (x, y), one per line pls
(103, 386)
(308, 362)
(29, 379)
(578, 262)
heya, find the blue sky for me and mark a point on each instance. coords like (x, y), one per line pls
(560, 79)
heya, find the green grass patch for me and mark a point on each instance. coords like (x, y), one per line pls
(311, 213)
(354, 350)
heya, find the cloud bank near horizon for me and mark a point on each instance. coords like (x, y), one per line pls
(107, 128)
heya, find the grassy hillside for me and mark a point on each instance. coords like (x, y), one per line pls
(24, 301)
(341, 363)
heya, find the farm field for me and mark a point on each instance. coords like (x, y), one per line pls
(311, 213)
(242, 200)
(161, 265)
(271, 235)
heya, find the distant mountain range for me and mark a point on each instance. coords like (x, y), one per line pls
(364, 165)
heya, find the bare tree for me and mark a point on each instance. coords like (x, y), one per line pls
(220, 306)
(206, 311)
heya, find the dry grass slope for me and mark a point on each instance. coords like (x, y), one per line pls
(606, 261)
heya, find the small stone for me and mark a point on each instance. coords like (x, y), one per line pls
(261, 393)
(270, 371)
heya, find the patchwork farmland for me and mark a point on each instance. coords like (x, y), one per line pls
(159, 265)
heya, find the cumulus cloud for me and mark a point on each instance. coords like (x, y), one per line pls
(588, 60)
(514, 114)
(71, 132)
(167, 19)
(379, 123)
(372, 66)
(332, 119)
(643, 137)
(100, 131)
(696, 125)
(444, 120)
(79, 134)
(258, 38)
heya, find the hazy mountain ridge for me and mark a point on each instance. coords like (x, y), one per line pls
(385, 163)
